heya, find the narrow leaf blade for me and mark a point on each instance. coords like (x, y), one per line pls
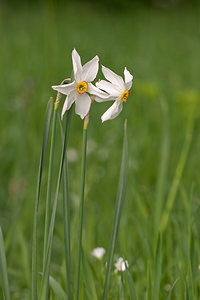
(3, 269)
(118, 209)
(43, 154)
(57, 289)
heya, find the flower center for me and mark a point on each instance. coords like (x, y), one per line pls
(124, 95)
(82, 87)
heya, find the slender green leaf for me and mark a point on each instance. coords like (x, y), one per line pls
(25, 256)
(57, 289)
(131, 284)
(190, 282)
(66, 216)
(157, 269)
(88, 279)
(45, 278)
(3, 269)
(163, 167)
(118, 209)
(186, 296)
(121, 296)
(178, 174)
(44, 149)
(49, 185)
(80, 229)
(149, 289)
(172, 288)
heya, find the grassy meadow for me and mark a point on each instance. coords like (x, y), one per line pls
(159, 232)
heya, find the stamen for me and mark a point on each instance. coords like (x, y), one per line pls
(82, 87)
(124, 95)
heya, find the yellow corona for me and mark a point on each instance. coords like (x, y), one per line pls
(82, 87)
(124, 95)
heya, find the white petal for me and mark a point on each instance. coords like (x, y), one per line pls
(100, 96)
(128, 79)
(68, 102)
(108, 87)
(65, 89)
(128, 85)
(77, 66)
(83, 103)
(114, 78)
(112, 112)
(100, 99)
(90, 69)
(93, 90)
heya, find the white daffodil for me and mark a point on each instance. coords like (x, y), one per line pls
(118, 90)
(78, 90)
(98, 252)
(121, 265)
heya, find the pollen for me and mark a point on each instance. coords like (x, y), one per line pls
(82, 87)
(124, 95)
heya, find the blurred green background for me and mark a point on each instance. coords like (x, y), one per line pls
(159, 43)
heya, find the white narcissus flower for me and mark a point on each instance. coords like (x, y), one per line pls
(98, 252)
(118, 90)
(121, 265)
(78, 90)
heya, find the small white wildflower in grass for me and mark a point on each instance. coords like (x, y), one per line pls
(121, 265)
(118, 90)
(98, 252)
(78, 90)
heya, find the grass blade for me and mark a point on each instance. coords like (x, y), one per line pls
(178, 174)
(157, 269)
(121, 296)
(131, 285)
(66, 216)
(89, 279)
(190, 282)
(44, 149)
(162, 171)
(57, 289)
(3, 269)
(45, 277)
(149, 289)
(118, 209)
(49, 184)
(80, 230)
(172, 289)
(25, 256)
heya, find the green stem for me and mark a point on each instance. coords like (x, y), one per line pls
(49, 184)
(77, 279)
